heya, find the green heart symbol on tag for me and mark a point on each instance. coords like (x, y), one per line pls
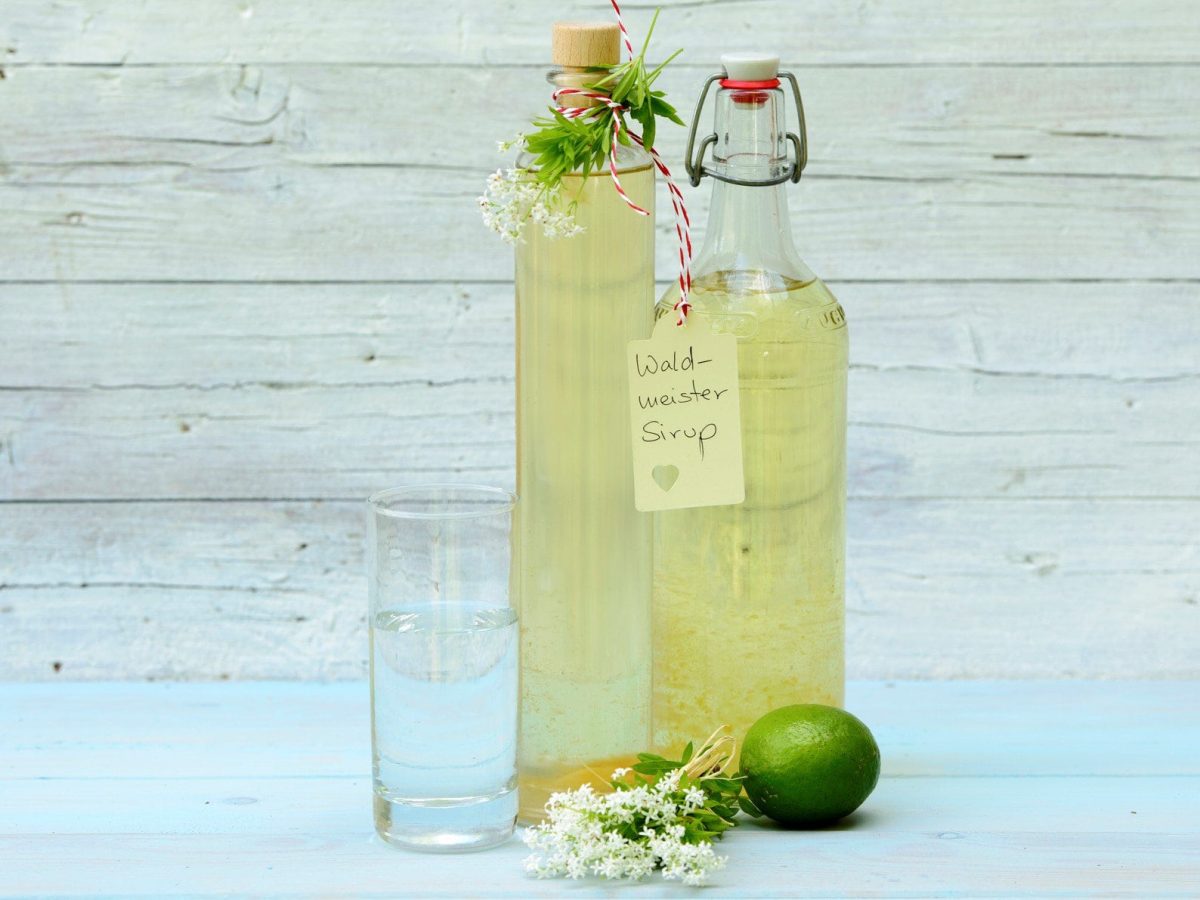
(665, 476)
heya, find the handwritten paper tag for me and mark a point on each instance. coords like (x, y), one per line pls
(687, 425)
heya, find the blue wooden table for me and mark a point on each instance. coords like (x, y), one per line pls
(263, 789)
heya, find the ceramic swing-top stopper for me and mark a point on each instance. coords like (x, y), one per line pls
(750, 66)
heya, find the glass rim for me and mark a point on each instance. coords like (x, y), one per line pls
(504, 501)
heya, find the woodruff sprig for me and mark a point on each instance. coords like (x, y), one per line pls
(706, 770)
(561, 145)
(661, 814)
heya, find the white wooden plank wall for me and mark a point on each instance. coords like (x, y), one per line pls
(243, 283)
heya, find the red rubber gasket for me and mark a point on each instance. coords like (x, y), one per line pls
(750, 85)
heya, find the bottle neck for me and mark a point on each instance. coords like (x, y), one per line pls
(749, 228)
(579, 79)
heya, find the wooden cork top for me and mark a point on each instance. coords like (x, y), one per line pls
(580, 45)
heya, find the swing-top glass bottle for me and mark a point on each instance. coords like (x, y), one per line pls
(749, 599)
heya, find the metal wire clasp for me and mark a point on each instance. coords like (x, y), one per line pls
(695, 164)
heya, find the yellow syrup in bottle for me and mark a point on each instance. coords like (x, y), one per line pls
(582, 552)
(749, 599)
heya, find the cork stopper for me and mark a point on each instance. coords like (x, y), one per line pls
(581, 45)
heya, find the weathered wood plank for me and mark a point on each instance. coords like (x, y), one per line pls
(213, 335)
(285, 442)
(169, 631)
(124, 730)
(353, 223)
(241, 391)
(290, 805)
(119, 336)
(933, 123)
(762, 863)
(1004, 729)
(913, 433)
(936, 589)
(397, 32)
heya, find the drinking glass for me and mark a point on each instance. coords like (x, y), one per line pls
(443, 666)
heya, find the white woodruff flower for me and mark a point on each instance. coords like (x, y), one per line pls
(514, 197)
(626, 833)
(694, 798)
(517, 141)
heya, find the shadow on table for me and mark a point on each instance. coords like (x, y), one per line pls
(858, 819)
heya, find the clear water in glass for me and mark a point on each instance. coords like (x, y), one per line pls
(443, 708)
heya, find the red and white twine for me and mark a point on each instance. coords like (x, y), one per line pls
(624, 30)
(683, 224)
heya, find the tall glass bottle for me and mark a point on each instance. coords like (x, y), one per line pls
(749, 602)
(582, 563)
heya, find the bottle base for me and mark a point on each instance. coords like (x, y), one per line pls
(537, 785)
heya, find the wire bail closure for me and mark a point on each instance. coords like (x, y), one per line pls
(696, 168)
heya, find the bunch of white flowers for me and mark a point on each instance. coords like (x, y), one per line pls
(625, 833)
(514, 197)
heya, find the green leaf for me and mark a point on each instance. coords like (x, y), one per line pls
(662, 65)
(723, 784)
(647, 769)
(749, 808)
(664, 109)
(649, 33)
(649, 127)
(625, 85)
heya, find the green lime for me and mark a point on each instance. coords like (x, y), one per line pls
(809, 764)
